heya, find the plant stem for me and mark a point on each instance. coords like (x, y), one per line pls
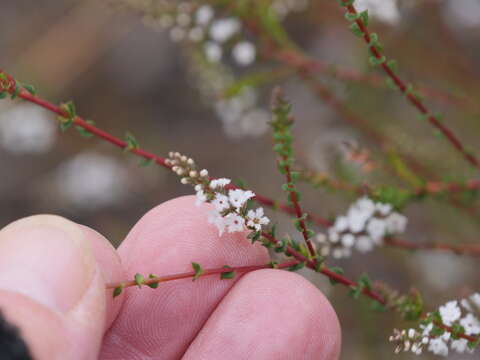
(206, 272)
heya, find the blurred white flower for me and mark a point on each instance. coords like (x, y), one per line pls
(92, 180)
(384, 10)
(204, 14)
(223, 29)
(213, 51)
(244, 53)
(27, 129)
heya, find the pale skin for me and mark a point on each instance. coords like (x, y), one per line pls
(52, 287)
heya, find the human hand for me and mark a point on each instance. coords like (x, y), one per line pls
(52, 287)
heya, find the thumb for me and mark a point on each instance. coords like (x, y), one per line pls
(51, 287)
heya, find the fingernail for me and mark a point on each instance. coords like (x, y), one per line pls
(48, 259)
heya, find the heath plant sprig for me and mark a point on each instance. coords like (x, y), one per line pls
(359, 26)
(281, 124)
(8, 85)
(454, 326)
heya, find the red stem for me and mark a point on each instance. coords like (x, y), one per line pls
(326, 271)
(298, 210)
(206, 272)
(416, 102)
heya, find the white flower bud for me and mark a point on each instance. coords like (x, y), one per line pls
(193, 174)
(184, 181)
(204, 173)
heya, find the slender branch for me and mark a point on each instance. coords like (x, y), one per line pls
(290, 56)
(206, 272)
(412, 98)
(318, 220)
(323, 269)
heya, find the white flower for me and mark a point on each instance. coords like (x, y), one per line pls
(376, 229)
(396, 223)
(438, 347)
(239, 197)
(234, 223)
(356, 219)
(366, 205)
(223, 29)
(348, 240)
(450, 312)
(471, 324)
(219, 183)
(201, 198)
(475, 298)
(333, 235)
(255, 219)
(221, 202)
(460, 345)
(364, 244)
(341, 223)
(339, 253)
(427, 329)
(204, 14)
(244, 53)
(321, 238)
(383, 209)
(213, 51)
(216, 219)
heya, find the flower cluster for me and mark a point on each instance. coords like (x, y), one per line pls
(363, 227)
(187, 21)
(231, 212)
(441, 330)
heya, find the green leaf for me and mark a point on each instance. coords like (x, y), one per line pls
(319, 263)
(155, 284)
(118, 290)
(65, 123)
(374, 61)
(364, 17)
(351, 17)
(296, 267)
(132, 143)
(3, 95)
(356, 30)
(355, 292)
(30, 88)
(16, 92)
(392, 65)
(364, 282)
(228, 274)
(139, 280)
(146, 162)
(84, 132)
(198, 271)
(337, 270)
(273, 264)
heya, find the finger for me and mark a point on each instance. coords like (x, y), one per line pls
(52, 288)
(161, 323)
(110, 267)
(270, 314)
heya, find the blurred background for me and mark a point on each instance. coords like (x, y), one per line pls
(189, 77)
